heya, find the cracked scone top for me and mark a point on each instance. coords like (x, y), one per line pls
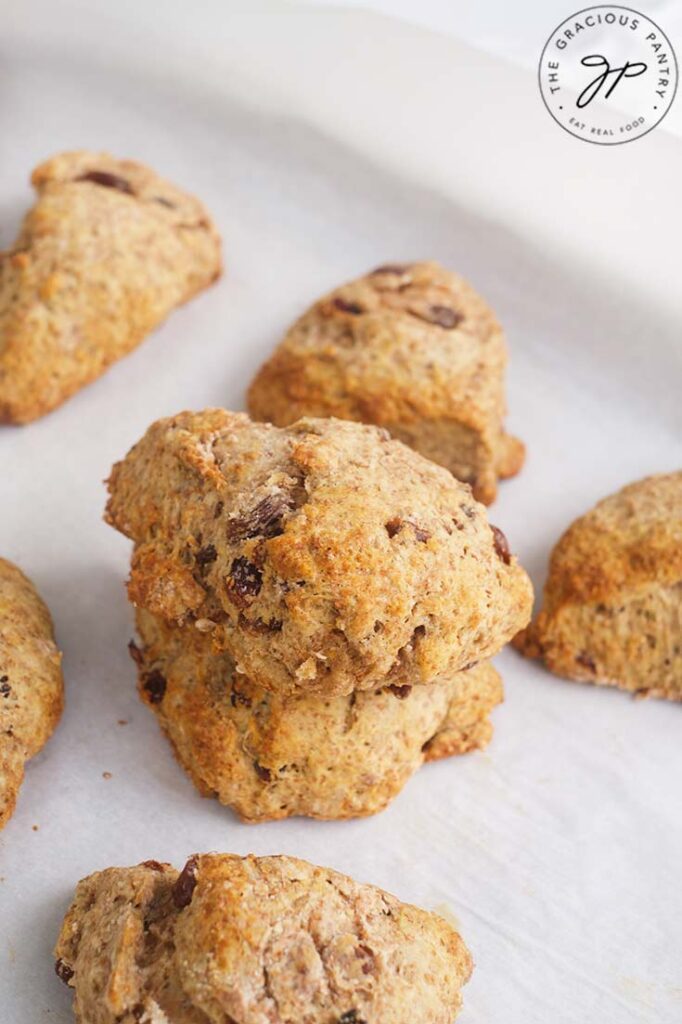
(31, 685)
(325, 557)
(412, 348)
(612, 608)
(104, 255)
(270, 940)
(271, 757)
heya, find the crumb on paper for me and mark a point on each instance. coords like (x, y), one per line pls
(639, 990)
(106, 775)
(35, 827)
(122, 721)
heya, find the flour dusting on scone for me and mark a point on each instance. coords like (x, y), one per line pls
(324, 557)
(31, 685)
(612, 610)
(270, 757)
(269, 940)
(410, 347)
(104, 255)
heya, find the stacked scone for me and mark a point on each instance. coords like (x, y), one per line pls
(316, 607)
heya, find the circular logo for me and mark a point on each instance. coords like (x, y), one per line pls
(608, 74)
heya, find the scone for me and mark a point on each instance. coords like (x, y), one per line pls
(612, 611)
(324, 557)
(31, 685)
(269, 757)
(410, 347)
(247, 940)
(108, 250)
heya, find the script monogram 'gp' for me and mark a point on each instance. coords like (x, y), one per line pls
(596, 60)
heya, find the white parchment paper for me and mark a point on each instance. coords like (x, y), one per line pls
(558, 849)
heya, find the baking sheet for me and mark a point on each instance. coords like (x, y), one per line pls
(557, 850)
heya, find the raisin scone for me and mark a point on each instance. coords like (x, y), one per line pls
(105, 254)
(324, 557)
(31, 685)
(248, 940)
(612, 611)
(269, 757)
(412, 348)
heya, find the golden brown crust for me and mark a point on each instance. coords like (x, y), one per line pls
(324, 558)
(412, 348)
(271, 758)
(270, 940)
(612, 611)
(467, 724)
(105, 254)
(31, 685)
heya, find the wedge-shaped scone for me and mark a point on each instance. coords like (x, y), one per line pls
(269, 757)
(269, 940)
(410, 347)
(108, 250)
(612, 611)
(325, 557)
(31, 685)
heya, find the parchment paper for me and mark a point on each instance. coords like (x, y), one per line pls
(558, 849)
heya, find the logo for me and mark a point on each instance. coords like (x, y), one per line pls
(608, 75)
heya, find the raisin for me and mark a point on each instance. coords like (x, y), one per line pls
(154, 685)
(501, 545)
(394, 526)
(239, 698)
(5, 688)
(258, 626)
(264, 520)
(183, 890)
(401, 692)
(107, 180)
(205, 556)
(392, 268)
(63, 971)
(135, 652)
(468, 511)
(153, 865)
(441, 316)
(244, 582)
(586, 661)
(348, 307)
(164, 202)
(263, 773)
(351, 1017)
(218, 510)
